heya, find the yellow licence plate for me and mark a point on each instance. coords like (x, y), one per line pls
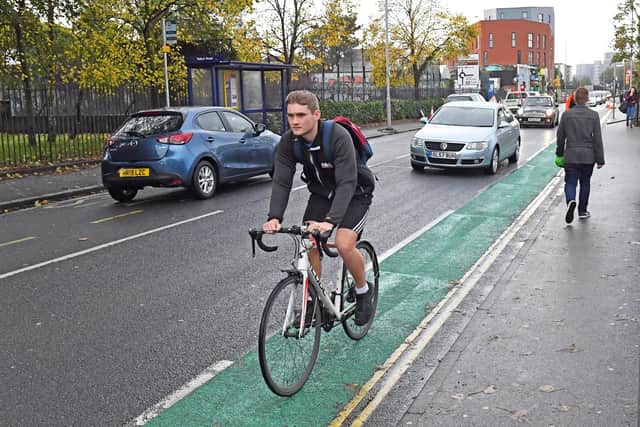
(133, 172)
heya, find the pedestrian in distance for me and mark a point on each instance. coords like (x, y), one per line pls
(341, 188)
(579, 147)
(571, 102)
(631, 98)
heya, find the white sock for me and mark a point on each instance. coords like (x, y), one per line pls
(362, 290)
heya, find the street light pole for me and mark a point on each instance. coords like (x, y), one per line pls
(386, 54)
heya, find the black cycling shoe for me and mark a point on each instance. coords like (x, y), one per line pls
(364, 307)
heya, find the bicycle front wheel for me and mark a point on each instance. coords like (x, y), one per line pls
(288, 352)
(372, 275)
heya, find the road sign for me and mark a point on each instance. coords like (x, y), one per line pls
(468, 76)
(170, 32)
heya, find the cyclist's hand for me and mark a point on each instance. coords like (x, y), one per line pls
(322, 227)
(271, 226)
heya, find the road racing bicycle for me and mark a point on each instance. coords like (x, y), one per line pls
(300, 306)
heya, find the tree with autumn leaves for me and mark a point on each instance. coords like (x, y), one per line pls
(421, 32)
(112, 42)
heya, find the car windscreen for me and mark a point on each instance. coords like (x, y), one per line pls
(464, 116)
(151, 123)
(538, 102)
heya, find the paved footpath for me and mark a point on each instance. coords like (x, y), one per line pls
(550, 336)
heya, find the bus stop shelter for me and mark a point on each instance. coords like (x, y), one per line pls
(257, 90)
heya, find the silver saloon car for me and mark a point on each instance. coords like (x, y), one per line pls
(467, 134)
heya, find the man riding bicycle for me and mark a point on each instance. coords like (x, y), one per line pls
(341, 189)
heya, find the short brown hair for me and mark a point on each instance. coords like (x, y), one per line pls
(582, 95)
(303, 97)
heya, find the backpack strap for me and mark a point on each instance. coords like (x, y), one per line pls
(326, 140)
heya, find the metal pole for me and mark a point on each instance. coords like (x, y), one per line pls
(166, 71)
(386, 53)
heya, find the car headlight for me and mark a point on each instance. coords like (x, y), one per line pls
(417, 142)
(520, 111)
(549, 112)
(476, 145)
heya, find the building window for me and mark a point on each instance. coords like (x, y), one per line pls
(544, 59)
(540, 17)
(485, 57)
(544, 41)
(538, 62)
(530, 58)
(549, 19)
(537, 41)
(513, 39)
(501, 15)
(519, 59)
(490, 39)
(530, 40)
(525, 14)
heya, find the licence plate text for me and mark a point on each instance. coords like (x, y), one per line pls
(133, 172)
(443, 154)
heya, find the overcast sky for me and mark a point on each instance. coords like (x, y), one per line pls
(584, 27)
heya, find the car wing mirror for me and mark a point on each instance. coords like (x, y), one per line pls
(258, 128)
(424, 120)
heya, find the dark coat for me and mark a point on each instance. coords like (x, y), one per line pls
(579, 137)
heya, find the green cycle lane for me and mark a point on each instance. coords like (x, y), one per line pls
(413, 281)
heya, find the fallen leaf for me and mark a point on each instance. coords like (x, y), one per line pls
(547, 388)
(458, 396)
(520, 415)
(354, 387)
(82, 239)
(563, 408)
(570, 349)
(490, 390)
(44, 202)
(36, 203)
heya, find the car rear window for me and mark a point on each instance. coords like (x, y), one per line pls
(459, 98)
(533, 100)
(151, 123)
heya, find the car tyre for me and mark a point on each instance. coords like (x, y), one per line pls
(122, 194)
(492, 169)
(516, 155)
(417, 167)
(205, 180)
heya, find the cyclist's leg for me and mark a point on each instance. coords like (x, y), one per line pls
(317, 208)
(348, 233)
(346, 237)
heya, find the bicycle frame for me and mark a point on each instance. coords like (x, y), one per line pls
(303, 246)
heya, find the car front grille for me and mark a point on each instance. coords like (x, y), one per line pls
(451, 146)
(442, 161)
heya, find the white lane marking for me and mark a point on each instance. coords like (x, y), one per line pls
(413, 236)
(400, 361)
(106, 245)
(179, 394)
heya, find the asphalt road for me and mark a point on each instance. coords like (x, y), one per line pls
(107, 308)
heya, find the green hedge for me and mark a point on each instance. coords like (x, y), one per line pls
(363, 112)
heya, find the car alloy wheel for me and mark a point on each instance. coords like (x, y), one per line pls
(204, 180)
(493, 166)
(516, 154)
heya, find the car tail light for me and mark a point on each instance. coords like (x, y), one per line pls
(177, 139)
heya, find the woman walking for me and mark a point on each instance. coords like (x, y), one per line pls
(632, 105)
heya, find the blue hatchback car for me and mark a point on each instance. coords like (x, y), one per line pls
(192, 147)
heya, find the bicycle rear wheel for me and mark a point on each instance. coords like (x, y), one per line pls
(286, 353)
(372, 274)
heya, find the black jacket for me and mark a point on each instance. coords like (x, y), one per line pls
(338, 179)
(579, 137)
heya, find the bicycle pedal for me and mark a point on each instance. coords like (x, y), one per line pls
(351, 295)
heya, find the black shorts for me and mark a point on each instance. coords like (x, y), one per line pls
(354, 219)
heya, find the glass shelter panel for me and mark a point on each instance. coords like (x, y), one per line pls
(202, 88)
(251, 90)
(273, 89)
